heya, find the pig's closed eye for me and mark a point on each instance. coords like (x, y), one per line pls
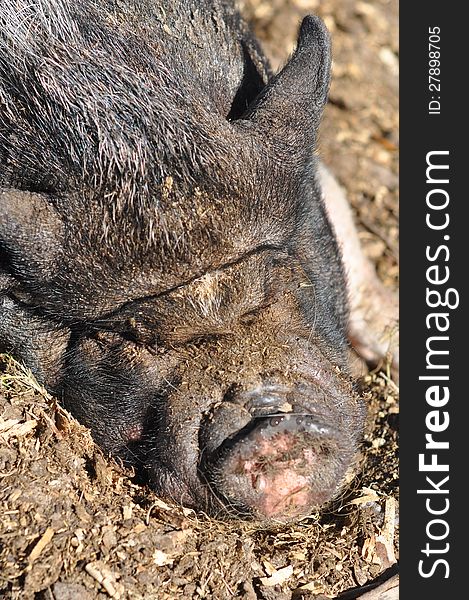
(204, 338)
(251, 315)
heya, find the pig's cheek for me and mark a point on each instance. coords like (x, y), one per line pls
(133, 433)
(167, 484)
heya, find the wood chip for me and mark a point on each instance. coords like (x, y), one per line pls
(42, 543)
(280, 576)
(156, 504)
(313, 586)
(13, 428)
(269, 567)
(127, 512)
(105, 578)
(160, 558)
(385, 541)
(369, 550)
(7, 424)
(379, 549)
(368, 495)
(139, 528)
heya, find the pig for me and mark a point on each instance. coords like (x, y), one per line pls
(176, 264)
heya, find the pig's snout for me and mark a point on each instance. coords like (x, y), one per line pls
(279, 465)
(270, 468)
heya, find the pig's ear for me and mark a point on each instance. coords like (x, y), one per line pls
(31, 234)
(289, 108)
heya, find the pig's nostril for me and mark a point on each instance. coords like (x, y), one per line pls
(274, 421)
(297, 422)
(239, 412)
(230, 425)
(262, 400)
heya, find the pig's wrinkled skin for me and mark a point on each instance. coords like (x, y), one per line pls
(167, 267)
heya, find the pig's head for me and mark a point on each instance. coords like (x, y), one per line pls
(236, 403)
(180, 268)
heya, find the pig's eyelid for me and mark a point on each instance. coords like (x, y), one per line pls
(265, 247)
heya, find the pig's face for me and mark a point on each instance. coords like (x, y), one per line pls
(166, 264)
(237, 405)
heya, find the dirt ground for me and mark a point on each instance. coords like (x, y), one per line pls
(75, 526)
